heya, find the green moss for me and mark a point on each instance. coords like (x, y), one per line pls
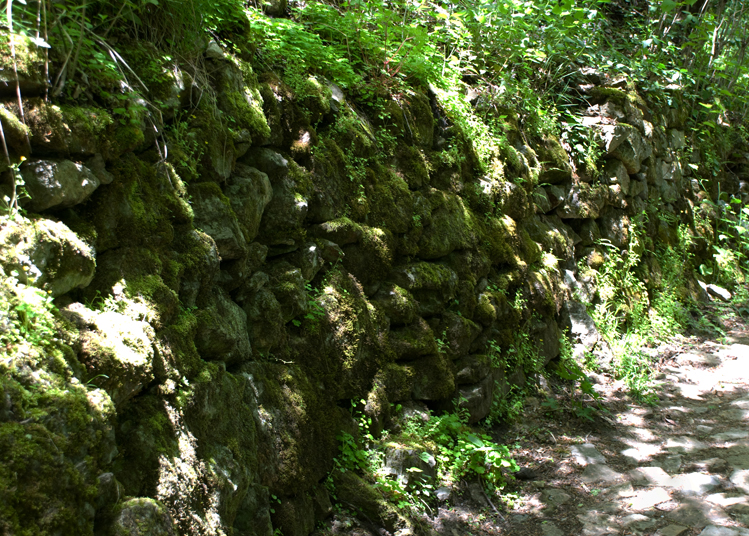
(616, 95)
(29, 59)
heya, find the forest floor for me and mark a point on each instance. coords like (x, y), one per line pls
(676, 468)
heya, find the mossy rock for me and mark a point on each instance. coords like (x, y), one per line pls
(555, 162)
(71, 130)
(457, 334)
(214, 215)
(298, 443)
(356, 346)
(433, 285)
(367, 500)
(138, 209)
(397, 303)
(28, 61)
(412, 166)
(239, 97)
(46, 254)
(370, 259)
(56, 436)
(434, 378)
(413, 341)
(142, 516)
(453, 226)
(222, 330)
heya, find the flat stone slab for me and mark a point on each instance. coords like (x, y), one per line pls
(697, 513)
(550, 529)
(638, 522)
(713, 530)
(735, 414)
(671, 530)
(645, 500)
(730, 435)
(644, 476)
(600, 473)
(587, 454)
(555, 497)
(726, 501)
(693, 358)
(740, 479)
(640, 452)
(694, 483)
(684, 444)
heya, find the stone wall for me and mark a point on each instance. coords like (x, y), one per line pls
(220, 310)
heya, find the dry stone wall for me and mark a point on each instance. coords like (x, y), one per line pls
(219, 311)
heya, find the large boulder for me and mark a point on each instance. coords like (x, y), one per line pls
(214, 216)
(46, 254)
(116, 350)
(583, 201)
(142, 516)
(222, 330)
(57, 184)
(477, 399)
(249, 192)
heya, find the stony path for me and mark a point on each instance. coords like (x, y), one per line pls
(680, 468)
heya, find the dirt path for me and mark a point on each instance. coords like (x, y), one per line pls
(676, 469)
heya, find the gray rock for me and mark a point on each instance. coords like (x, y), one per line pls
(583, 330)
(309, 259)
(265, 319)
(477, 399)
(341, 231)
(57, 183)
(718, 292)
(46, 254)
(442, 494)
(413, 341)
(541, 200)
(550, 529)
(599, 473)
(587, 454)
(214, 216)
(740, 479)
(222, 330)
(583, 201)
(410, 465)
(142, 517)
(249, 192)
(713, 530)
(268, 161)
(555, 497)
(638, 522)
(671, 530)
(472, 368)
(397, 303)
(458, 333)
(213, 51)
(116, 350)
(98, 167)
(694, 483)
(632, 151)
(615, 172)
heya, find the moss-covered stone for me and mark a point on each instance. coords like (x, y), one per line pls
(431, 284)
(28, 61)
(555, 162)
(413, 341)
(372, 257)
(46, 254)
(397, 303)
(433, 378)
